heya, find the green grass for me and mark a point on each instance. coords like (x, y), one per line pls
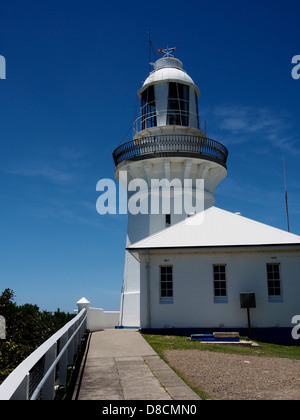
(161, 343)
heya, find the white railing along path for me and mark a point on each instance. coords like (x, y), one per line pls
(35, 377)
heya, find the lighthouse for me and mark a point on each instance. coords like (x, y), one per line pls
(170, 143)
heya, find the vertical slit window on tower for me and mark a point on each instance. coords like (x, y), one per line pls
(220, 284)
(178, 104)
(168, 220)
(166, 284)
(274, 282)
(148, 110)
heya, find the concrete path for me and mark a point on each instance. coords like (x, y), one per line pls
(121, 365)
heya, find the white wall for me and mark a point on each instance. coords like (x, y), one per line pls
(98, 319)
(130, 309)
(193, 290)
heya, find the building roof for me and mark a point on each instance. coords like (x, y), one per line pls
(215, 227)
(168, 70)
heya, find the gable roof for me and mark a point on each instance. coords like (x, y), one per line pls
(215, 227)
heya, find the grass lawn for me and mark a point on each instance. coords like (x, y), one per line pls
(160, 343)
(168, 342)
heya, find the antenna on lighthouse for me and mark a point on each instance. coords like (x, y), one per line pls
(286, 197)
(151, 50)
(150, 42)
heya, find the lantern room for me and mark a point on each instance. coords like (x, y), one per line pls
(169, 97)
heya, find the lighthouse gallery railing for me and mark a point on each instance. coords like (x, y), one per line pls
(171, 145)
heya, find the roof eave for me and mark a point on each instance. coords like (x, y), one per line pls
(216, 248)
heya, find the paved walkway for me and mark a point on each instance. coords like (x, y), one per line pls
(121, 365)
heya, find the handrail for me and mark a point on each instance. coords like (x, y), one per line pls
(146, 119)
(162, 145)
(50, 370)
(18, 385)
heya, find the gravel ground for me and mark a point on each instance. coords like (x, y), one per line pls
(236, 377)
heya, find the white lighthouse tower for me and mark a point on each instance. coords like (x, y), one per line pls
(169, 143)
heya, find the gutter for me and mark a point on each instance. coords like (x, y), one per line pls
(215, 248)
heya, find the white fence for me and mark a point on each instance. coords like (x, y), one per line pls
(35, 377)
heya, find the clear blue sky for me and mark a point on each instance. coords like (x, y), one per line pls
(73, 70)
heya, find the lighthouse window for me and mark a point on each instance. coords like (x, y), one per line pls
(168, 220)
(166, 284)
(148, 110)
(220, 287)
(178, 104)
(274, 283)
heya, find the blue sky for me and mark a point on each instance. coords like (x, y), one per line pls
(73, 69)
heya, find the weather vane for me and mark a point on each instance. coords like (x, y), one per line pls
(167, 51)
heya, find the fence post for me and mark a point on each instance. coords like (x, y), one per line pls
(63, 363)
(71, 350)
(48, 389)
(22, 392)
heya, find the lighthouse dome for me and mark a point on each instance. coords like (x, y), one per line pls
(168, 69)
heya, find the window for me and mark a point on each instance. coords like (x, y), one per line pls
(220, 287)
(274, 282)
(166, 284)
(148, 110)
(168, 220)
(178, 104)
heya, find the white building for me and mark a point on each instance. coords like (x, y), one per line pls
(192, 275)
(186, 271)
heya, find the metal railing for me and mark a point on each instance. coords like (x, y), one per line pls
(183, 118)
(171, 145)
(36, 376)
